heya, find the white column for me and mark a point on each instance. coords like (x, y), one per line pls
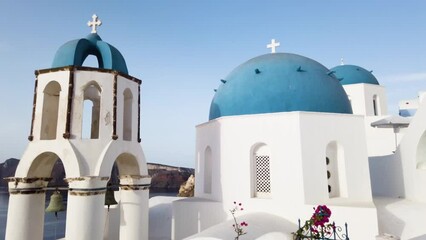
(85, 208)
(25, 216)
(134, 207)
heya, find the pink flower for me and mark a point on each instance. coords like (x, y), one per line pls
(238, 227)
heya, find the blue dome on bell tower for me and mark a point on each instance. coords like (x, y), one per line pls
(73, 53)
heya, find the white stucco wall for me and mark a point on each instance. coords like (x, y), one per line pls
(402, 218)
(387, 178)
(381, 141)
(411, 152)
(318, 130)
(193, 215)
(297, 142)
(262, 226)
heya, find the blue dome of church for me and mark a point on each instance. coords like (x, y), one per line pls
(279, 82)
(351, 74)
(73, 53)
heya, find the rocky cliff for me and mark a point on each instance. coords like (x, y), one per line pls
(7, 169)
(169, 177)
(164, 177)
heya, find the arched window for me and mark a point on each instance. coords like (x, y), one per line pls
(91, 111)
(375, 105)
(261, 171)
(127, 115)
(208, 170)
(421, 153)
(336, 170)
(49, 119)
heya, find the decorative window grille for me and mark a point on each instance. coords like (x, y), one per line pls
(336, 171)
(263, 177)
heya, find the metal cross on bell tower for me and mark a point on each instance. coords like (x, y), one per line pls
(94, 23)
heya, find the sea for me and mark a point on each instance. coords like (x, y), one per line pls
(54, 228)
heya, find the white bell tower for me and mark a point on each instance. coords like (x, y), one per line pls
(89, 119)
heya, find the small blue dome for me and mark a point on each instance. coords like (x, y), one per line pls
(279, 82)
(351, 74)
(73, 53)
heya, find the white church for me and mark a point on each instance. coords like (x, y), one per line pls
(285, 134)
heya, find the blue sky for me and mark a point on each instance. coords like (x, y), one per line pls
(181, 50)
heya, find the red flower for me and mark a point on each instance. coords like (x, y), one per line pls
(321, 215)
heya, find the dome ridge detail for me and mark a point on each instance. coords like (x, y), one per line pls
(74, 52)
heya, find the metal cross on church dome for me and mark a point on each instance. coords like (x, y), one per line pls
(94, 23)
(273, 45)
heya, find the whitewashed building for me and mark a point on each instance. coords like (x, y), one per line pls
(286, 134)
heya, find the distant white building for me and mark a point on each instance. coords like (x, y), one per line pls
(408, 108)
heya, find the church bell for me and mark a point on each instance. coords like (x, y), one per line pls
(56, 203)
(109, 198)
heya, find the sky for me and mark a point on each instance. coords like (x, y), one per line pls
(181, 50)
